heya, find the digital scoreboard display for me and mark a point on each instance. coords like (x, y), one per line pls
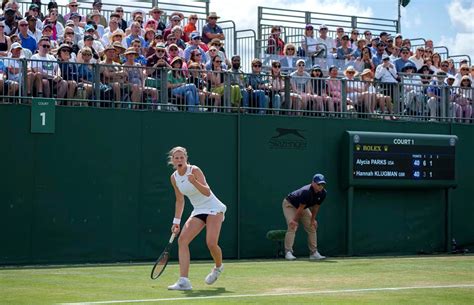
(401, 159)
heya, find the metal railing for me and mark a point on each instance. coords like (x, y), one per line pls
(161, 89)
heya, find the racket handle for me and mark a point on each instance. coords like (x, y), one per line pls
(172, 237)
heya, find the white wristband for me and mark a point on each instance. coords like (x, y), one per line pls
(176, 221)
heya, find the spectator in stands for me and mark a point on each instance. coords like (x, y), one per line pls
(257, 83)
(151, 24)
(220, 49)
(429, 44)
(10, 23)
(5, 41)
(73, 9)
(308, 42)
(403, 60)
(277, 87)
(97, 5)
(139, 57)
(27, 41)
(177, 32)
(463, 71)
(53, 6)
(451, 68)
(149, 39)
(174, 51)
(69, 71)
(368, 37)
(444, 66)
(339, 35)
(301, 85)
(193, 46)
(413, 97)
(211, 30)
(122, 22)
(217, 81)
(196, 57)
(398, 40)
(354, 38)
(95, 45)
(237, 77)
(344, 52)
(407, 43)
(327, 41)
(155, 14)
(57, 27)
(365, 60)
(334, 88)
(275, 44)
(190, 27)
(112, 73)
(383, 37)
(198, 78)
(386, 73)
(428, 52)
(373, 45)
(354, 88)
(48, 32)
(288, 61)
(33, 29)
(158, 59)
(179, 86)
(417, 59)
(369, 97)
(425, 76)
(319, 87)
(434, 93)
(213, 52)
(13, 72)
(380, 52)
(436, 62)
(86, 72)
(175, 20)
(100, 29)
(34, 10)
(464, 99)
(47, 75)
(110, 30)
(358, 50)
(135, 33)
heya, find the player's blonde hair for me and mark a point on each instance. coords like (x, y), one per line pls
(173, 151)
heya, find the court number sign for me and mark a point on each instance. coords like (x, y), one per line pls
(43, 115)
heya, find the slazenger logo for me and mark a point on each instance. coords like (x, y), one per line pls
(288, 139)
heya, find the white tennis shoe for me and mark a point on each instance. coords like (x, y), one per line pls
(215, 272)
(182, 284)
(289, 256)
(316, 256)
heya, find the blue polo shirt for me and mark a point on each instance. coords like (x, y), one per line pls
(28, 42)
(307, 196)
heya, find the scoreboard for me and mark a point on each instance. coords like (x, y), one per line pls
(400, 159)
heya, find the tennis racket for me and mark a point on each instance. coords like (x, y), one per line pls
(162, 261)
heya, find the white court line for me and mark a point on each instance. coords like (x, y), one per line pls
(276, 294)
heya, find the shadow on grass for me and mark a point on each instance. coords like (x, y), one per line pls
(206, 292)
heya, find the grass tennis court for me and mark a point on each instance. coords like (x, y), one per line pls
(387, 280)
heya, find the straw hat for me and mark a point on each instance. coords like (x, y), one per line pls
(177, 58)
(119, 45)
(117, 32)
(213, 15)
(350, 69)
(131, 50)
(367, 72)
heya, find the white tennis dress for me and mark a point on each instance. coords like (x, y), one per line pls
(202, 204)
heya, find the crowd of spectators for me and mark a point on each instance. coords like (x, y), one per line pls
(63, 52)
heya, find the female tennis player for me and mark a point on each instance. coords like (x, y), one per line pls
(208, 212)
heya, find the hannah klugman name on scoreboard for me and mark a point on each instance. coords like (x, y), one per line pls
(379, 174)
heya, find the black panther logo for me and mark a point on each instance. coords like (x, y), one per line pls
(283, 132)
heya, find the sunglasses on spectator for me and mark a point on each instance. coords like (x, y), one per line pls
(213, 50)
(171, 39)
(24, 24)
(193, 18)
(174, 49)
(73, 5)
(465, 69)
(290, 49)
(197, 54)
(213, 18)
(257, 66)
(350, 72)
(66, 50)
(119, 11)
(445, 65)
(276, 66)
(46, 46)
(160, 51)
(71, 33)
(301, 65)
(218, 61)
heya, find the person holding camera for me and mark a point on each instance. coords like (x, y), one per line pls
(387, 75)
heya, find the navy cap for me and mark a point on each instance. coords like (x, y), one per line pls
(319, 179)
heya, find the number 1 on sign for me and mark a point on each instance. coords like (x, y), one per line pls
(43, 118)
